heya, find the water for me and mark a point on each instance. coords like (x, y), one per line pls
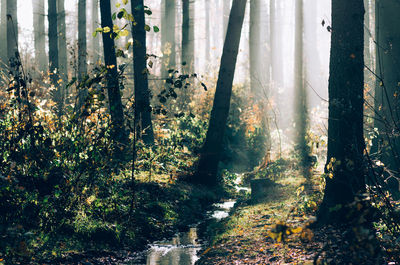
(183, 248)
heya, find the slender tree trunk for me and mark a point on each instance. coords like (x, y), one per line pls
(345, 166)
(211, 152)
(301, 110)
(53, 44)
(256, 82)
(142, 93)
(168, 36)
(82, 51)
(39, 35)
(94, 25)
(226, 8)
(113, 90)
(187, 35)
(387, 104)
(12, 29)
(62, 41)
(3, 35)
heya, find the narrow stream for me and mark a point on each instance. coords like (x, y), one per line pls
(183, 248)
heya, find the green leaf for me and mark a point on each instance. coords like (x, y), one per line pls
(156, 29)
(147, 28)
(114, 16)
(120, 14)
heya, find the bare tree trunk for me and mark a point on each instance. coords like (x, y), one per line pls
(256, 82)
(226, 8)
(82, 67)
(3, 35)
(114, 93)
(12, 29)
(39, 35)
(208, 37)
(168, 36)
(212, 149)
(387, 104)
(345, 166)
(94, 25)
(142, 93)
(62, 41)
(187, 35)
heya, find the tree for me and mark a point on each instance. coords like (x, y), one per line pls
(62, 41)
(208, 35)
(387, 105)
(12, 29)
(212, 149)
(95, 44)
(53, 44)
(255, 47)
(345, 176)
(168, 36)
(39, 35)
(188, 35)
(82, 67)
(301, 106)
(3, 34)
(142, 93)
(226, 7)
(113, 90)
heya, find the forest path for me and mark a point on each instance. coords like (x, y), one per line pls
(246, 237)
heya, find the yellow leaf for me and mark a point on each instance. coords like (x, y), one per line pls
(115, 27)
(106, 29)
(124, 33)
(117, 5)
(125, 2)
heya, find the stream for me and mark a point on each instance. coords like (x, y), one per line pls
(183, 248)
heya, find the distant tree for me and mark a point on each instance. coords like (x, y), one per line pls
(301, 102)
(62, 41)
(82, 64)
(226, 8)
(95, 44)
(345, 169)
(212, 149)
(39, 35)
(12, 29)
(142, 93)
(113, 90)
(387, 103)
(188, 34)
(168, 36)
(255, 47)
(208, 35)
(53, 43)
(3, 34)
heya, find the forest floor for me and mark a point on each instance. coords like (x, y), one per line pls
(281, 230)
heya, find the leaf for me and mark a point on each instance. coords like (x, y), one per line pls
(156, 29)
(204, 86)
(120, 14)
(117, 5)
(114, 16)
(147, 28)
(124, 33)
(106, 29)
(125, 2)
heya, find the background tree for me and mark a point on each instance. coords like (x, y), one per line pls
(387, 105)
(113, 90)
(12, 29)
(53, 44)
(95, 44)
(3, 34)
(142, 92)
(82, 51)
(344, 167)
(168, 36)
(210, 155)
(39, 35)
(188, 35)
(62, 41)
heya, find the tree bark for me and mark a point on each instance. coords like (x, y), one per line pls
(211, 151)
(82, 67)
(187, 35)
(94, 25)
(12, 29)
(53, 44)
(3, 35)
(142, 93)
(168, 36)
(114, 95)
(39, 35)
(208, 36)
(387, 105)
(62, 41)
(345, 163)
(256, 82)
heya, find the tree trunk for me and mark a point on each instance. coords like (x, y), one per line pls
(187, 35)
(39, 35)
(114, 93)
(208, 36)
(387, 103)
(226, 8)
(82, 67)
(3, 34)
(94, 25)
(301, 109)
(142, 93)
(53, 45)
(256, 82)
(345, 167)
(168, 36)
(62, 41)
(12, 29)
(211, 152)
